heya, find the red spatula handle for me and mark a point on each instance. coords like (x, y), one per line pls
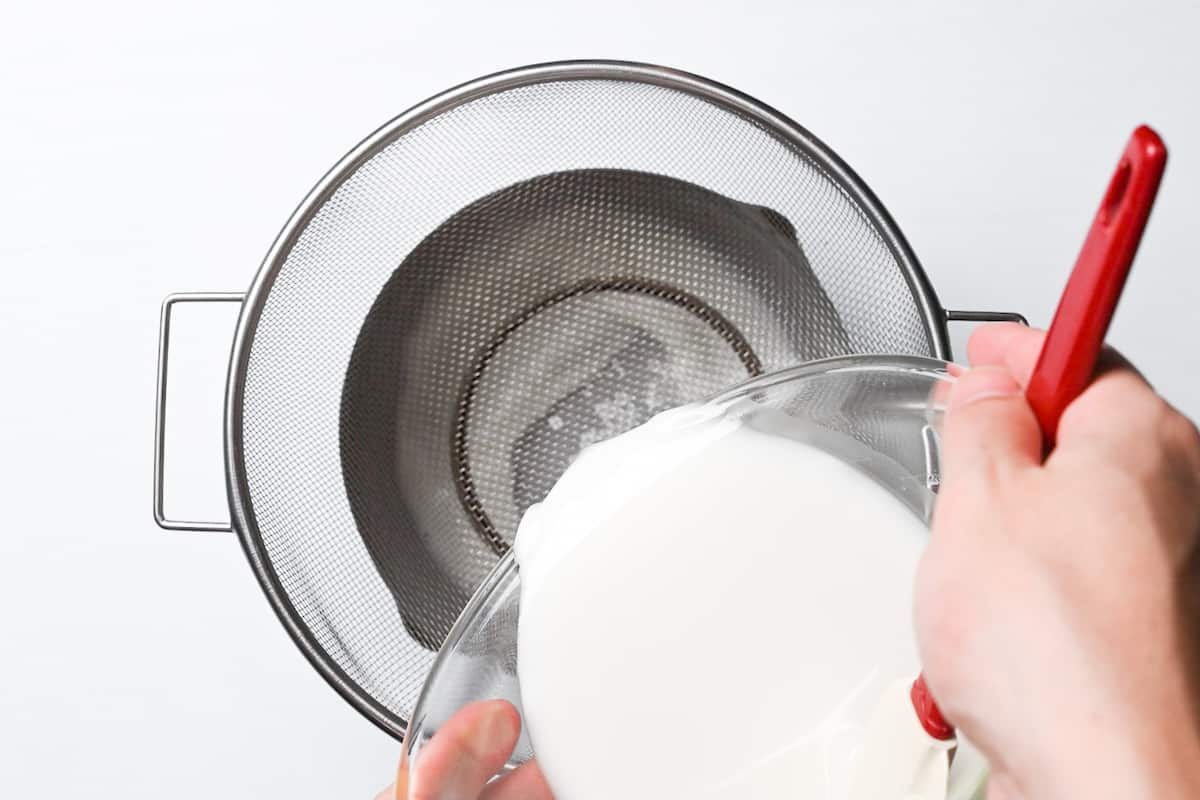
(1076, 336)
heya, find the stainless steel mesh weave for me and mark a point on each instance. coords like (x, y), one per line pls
(489, 287)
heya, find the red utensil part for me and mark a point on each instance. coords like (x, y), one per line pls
(1076, 336)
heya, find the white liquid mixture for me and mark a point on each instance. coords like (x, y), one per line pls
(710, 611)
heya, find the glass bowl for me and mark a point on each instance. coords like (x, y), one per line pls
(880, 414)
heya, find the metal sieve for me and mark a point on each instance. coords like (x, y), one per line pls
(521, 266)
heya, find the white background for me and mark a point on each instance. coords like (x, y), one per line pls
(147, 148)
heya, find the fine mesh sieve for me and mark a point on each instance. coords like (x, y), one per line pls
(526, 264)
(546, 316)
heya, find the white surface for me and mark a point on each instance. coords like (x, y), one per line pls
(146, 149)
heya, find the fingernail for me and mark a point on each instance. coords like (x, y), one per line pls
(982, 383)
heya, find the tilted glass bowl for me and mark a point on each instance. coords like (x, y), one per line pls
(880, 414)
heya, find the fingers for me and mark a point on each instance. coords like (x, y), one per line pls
(526, 782)
(468, 750)
(1017, 347)
(1114, 410)
(988, 425)
(387, 794)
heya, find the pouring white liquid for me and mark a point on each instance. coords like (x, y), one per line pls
(710, 611)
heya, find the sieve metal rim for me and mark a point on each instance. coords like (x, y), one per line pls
(772, 121)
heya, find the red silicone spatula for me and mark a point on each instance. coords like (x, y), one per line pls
(906, 750)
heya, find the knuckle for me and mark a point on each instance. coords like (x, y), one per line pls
(1180, 433)
(1116, 476)
(1174, 445)
(1140, 431)
(1164, 423)
(1120, 391)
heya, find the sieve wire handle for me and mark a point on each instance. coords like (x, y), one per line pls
(985, 316)
(160, 415)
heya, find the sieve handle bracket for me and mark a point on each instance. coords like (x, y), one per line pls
(986, 316)
(160, 414)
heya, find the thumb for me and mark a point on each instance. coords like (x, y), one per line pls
(988, 424)
(471, 747)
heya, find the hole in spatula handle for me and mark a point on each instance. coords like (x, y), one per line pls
(1116, 191)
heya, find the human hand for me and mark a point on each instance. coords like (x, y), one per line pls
(1058, 603)
(466, 752)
